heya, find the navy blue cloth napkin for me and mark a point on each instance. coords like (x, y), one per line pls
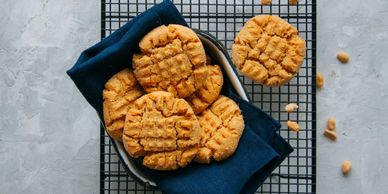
(260, 149)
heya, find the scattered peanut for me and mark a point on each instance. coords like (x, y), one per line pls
(291, 107)
(293, 126)
(346, 167)
(319, 80)
(343, 57)
(331, 124)
(293, 2)
(330, 134)
(266, 2)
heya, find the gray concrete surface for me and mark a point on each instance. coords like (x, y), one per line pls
(356, 94)
(49, 137)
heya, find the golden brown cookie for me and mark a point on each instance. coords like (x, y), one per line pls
(221, 128)
(120, 91)
(163, 129)
(268, 50)
(172, 59)
(209, 91)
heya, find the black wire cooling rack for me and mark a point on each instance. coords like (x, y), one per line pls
(223, 19)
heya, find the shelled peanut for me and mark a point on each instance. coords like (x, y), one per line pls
(331, 124)
(319, 80)
(346, 167)
(294, 126)
(330, 131)
(343, 57)
(291, 107)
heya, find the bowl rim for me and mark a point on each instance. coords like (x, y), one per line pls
(231, 72)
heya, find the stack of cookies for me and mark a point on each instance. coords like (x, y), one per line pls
(168, 110)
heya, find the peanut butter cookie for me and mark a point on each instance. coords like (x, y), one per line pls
(221, 128)
(268, 50)
(172, 59)
(162, 128)
(119, 93)
(209, 91)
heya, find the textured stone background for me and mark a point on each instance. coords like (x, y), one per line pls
(49, 136)
(355, 93)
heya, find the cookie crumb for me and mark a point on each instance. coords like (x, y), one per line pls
(346, 167)
(293, 2)
(294, 126)
(331, 124)
(320, 80)
(343, 57)
(291, 107)
(330, 134)
(266, 2)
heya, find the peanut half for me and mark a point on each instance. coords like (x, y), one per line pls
(293, 2)
(331, 124)
(343, 57)
(330, 134)
(291, 107)
(346, 167)
(320, 80)
(294, 126)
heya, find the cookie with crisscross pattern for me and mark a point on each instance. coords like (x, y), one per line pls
(119, 93)
(268, 50)
(172, 59)
(163, 129)
(221, 128)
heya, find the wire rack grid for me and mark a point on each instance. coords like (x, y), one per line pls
(223, 19)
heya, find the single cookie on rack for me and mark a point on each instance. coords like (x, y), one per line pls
(221, 128)
(209, 91)
(162, 128)
(120, 91)
(268, 50)
(172, 59)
